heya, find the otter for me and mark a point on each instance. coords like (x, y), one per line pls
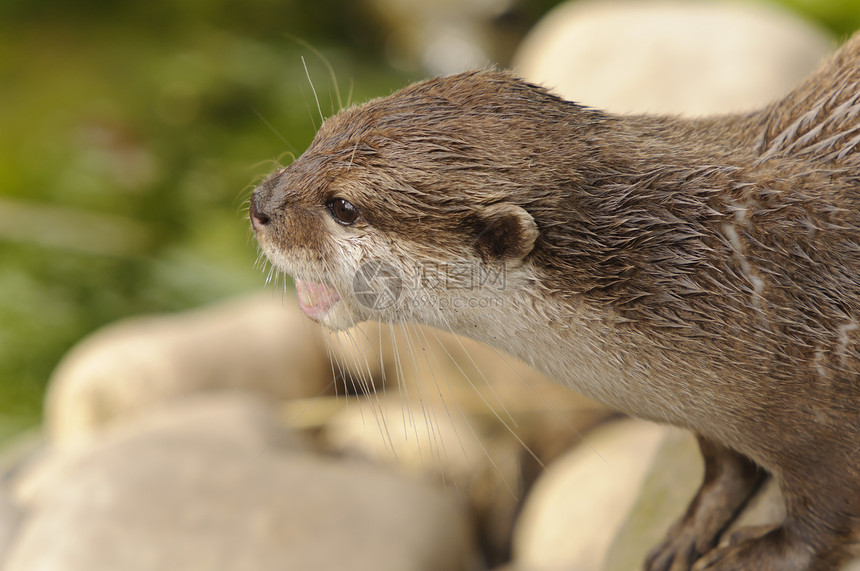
(703, 273)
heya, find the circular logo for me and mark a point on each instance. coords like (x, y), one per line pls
(377, 285)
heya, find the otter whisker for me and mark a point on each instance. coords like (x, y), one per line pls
(464, 415)
(549, 406)
(434, 438)
(509, 426)
(313, 89)
(328, 66)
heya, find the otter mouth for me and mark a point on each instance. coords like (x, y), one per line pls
(316, 299)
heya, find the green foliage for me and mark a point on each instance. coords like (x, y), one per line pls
(131, 135)
(842, 17)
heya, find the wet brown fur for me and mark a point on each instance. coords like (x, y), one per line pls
(731, 244)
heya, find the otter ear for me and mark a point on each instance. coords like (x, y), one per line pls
(506, 233)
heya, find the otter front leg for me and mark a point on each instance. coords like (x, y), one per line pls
(816, 532)
(730, 481)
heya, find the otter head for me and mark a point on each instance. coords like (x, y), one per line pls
(398, 210)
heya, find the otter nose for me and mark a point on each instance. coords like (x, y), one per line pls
(258, 217)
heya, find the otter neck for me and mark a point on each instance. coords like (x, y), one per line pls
(588, 351)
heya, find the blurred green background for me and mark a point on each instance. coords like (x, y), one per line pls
(132, 133)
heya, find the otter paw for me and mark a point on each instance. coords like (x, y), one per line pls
(678, 551)
(762, 548)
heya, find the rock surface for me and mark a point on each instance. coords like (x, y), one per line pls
(10, 516)
(259, 343)
(673, 476)
(444, 36)
(672, 56)
(206, 485)
(485, 436)
(579, 503)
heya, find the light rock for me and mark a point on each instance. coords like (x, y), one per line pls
(236, 420)
(574, 509)
(202, 487)
(465, 416)
(259, 343)
(672, 56)
(444, 444)
(442, 36)
(16, 454)
(10, 516)
(674, 476)
(766, 508)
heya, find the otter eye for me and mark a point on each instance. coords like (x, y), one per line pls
(343, 211)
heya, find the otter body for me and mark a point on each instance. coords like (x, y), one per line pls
(703, 273)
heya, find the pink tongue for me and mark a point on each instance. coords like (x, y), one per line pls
(315, 299)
